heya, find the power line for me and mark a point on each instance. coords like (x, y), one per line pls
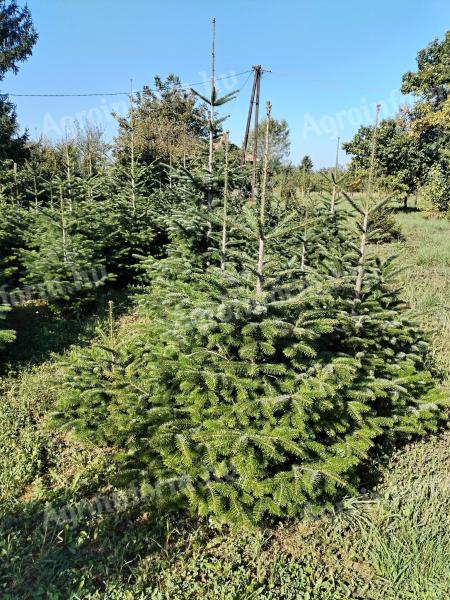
(241, 88)
(246, 81)
(91, 94)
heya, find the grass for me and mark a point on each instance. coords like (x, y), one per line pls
(425, 281)
(40, 334)
(392, 543)
(405, 534)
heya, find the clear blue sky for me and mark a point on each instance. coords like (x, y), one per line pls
(330, 61)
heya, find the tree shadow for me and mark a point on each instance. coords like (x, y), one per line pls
(46, 558)
(405, 209)
(75, 548)
(40, 333)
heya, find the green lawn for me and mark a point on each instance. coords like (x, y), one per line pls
(391, 543)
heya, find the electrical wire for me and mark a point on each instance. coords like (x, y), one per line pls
(90, 94)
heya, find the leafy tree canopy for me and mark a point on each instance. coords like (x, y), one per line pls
(167, 123)
(279, 142)
(401, 161)
(431, 81)
(419, 137)
(430, 115)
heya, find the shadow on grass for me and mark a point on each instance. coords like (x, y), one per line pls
(40, 333)
(144, 553)
(406, 209)
(46, 559)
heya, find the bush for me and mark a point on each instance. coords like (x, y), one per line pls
(6, 335)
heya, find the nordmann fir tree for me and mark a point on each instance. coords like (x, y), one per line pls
(135, 214)
(213, 102)
(194, 231)
(261, 386)
(15, 221)
(190, 237)
(270, 435)
(62, 265)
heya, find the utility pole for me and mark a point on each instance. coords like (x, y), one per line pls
(249, 116)
(254, 100)
(255, 133)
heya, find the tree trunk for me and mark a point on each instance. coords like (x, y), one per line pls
(225, 209)
(260, 267)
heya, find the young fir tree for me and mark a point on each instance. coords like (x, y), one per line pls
(135, 206)
(15, 222)
(258, 391)
(193, 231)
(6, 335)
(62, 265)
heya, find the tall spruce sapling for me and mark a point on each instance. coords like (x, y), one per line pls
(15, 223)
(195, 236)
(334, 191)
(363, 225)
(223, 247)
(34, 176)
(213, 102)
(262, 208)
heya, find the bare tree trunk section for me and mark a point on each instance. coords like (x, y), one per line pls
(336, 166)
(225, 208)
(365, 222)
(262, 213)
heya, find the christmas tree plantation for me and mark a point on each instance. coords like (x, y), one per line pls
(262, 380)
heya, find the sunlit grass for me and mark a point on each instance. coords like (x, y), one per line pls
(404, 534)
(425, 281)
